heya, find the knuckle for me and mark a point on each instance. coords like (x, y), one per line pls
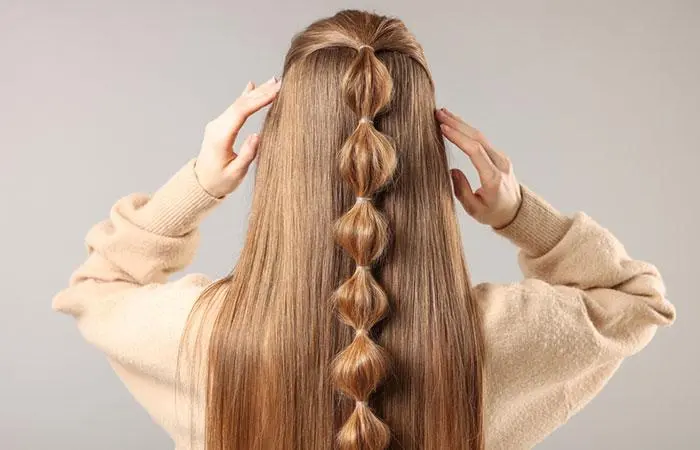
(494, 180)
(239, 171)
(212, 137)
(238, 112)
(210, 127)
(237, 106)
(507, 164)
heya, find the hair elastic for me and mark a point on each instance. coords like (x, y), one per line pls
(362, 199)
(360, 402)
(363, 46)
(362, 267)
(360, 331)
(366, 119)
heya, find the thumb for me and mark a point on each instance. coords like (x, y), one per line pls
(463, 192)
(246, 155)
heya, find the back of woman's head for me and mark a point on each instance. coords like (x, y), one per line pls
(347, 321)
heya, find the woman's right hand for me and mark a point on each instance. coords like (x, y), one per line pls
(497, 201)
(219, 169)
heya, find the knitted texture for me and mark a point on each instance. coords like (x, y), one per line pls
(553, 340)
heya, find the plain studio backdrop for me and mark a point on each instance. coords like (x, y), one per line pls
(597, 104)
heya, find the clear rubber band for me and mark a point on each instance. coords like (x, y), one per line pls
(366, 119)
(362, 199)
(365, 45)
(360, 331)
(360, 403)
(361, 267)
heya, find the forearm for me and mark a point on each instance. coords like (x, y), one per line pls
(145, 239)
(620, 299)
(575, 251)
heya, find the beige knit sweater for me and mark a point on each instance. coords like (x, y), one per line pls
(554, 339)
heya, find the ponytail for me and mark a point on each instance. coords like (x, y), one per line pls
(367, 162)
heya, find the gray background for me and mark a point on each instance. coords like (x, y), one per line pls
(597, 104)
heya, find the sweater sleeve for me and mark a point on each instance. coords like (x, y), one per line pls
(554, 339)
(120, 296)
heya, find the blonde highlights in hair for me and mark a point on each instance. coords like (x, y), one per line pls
(347, 322)
(367, 163)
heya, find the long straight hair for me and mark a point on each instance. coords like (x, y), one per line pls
(348, 320)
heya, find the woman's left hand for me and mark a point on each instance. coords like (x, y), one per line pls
(498, 199)
(218, 168)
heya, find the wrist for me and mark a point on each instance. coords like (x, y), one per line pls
(512, 212)
(537, 227)
(179, 205)
(205, 186)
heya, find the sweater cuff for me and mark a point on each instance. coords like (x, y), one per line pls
(179, 205)
(537, 227)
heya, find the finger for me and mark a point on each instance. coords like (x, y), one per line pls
(252, 99)
(501, 160)
(477, 154)
(453, 120)
(463, 191)
(269, 87)
(248, 87)
(248, 103)
(246, 155)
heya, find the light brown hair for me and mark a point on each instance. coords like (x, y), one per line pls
(347, 323)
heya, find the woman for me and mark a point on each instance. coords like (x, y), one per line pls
(349, 320)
